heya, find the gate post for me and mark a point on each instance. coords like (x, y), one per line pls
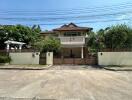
(82, 53)
(49, 58)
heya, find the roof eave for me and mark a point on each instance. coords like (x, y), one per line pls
(73, 29)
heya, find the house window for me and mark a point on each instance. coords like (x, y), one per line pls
(72, 34)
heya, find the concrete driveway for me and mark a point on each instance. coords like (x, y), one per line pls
(73, 67)
(66, 84)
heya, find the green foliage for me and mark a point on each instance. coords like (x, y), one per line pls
(20, 33)
(91, 43)
(38, 45)
(48, 44)
(95, 42)
(119, 36)
(114, 37)
(5, 59)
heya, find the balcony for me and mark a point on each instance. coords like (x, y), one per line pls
(77, 41)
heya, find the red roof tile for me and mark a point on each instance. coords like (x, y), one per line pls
(72, 27)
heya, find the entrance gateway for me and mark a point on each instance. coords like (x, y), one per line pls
(59, 60)
(73, 43)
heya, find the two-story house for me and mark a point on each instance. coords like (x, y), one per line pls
(72, 38)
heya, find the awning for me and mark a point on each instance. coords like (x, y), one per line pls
(14, 42)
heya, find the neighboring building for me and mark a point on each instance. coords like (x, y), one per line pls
(72, 38)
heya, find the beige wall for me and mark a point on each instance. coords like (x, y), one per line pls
(25, 58)
(115, 58)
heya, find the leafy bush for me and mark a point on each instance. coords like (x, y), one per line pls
(94, 43)
(114, 37)
(20, 33)
(117, 36)
(49, 44)
(5, 59)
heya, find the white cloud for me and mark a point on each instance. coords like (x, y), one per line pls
(125, 16)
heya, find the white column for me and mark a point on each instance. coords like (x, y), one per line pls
(20, 47)
(82, 55)
(7, 47)
(49, 58)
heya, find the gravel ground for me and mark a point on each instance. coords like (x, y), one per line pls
(66, 84)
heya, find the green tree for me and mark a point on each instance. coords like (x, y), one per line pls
(100, 37)
(96, 41)
(119, 36)
(3, 36)
(48, 44)
(28, 35)
(92, 42)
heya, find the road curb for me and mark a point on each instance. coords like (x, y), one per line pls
(115, 69)
(25, 68)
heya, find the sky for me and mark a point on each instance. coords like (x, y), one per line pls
(50, 14)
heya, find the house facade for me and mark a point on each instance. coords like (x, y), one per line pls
(72, 38)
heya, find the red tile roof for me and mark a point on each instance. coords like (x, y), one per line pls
(72, 27)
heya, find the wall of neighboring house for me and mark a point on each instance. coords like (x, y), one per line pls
(115, 58)
(25, 58)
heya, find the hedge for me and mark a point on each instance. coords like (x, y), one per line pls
(5, 59)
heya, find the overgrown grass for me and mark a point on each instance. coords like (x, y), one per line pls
(5, 59)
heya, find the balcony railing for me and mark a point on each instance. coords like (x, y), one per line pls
(74, 40)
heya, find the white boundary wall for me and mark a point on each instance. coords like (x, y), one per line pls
(25, 58)
(115, 58)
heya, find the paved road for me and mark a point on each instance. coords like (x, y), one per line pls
(66, 84)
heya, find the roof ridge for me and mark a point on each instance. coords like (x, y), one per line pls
(72, 24)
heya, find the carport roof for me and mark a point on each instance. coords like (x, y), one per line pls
(14, 42)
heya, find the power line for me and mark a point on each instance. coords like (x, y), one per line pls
(69, 9)
(67, 15)
(113, 20)
(64, 17)
(93, 11)
(82, 22)
(70, 13)
(64, 13)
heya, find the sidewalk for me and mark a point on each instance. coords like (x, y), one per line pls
(25, 67)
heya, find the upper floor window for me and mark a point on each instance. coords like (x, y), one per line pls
(72, 34)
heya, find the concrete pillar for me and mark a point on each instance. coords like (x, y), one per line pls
(82, 53)
(7, 47)
(20, 47)
(49, 58)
